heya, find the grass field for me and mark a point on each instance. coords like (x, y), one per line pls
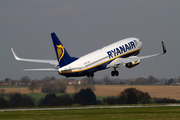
(172, 92)
(148, 113)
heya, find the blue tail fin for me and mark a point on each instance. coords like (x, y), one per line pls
(62, 55)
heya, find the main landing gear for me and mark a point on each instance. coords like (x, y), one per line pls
(114, 73)
(91, 75)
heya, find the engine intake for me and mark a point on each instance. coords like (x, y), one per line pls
(132, 64)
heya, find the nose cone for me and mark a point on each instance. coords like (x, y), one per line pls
(140, 43)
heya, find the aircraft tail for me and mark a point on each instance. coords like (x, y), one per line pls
(62, 55)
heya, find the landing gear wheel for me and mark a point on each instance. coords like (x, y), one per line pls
(91, 75)
(114, 73)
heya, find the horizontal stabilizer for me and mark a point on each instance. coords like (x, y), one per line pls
(43, 69)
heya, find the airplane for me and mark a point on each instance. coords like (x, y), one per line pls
(121, 52)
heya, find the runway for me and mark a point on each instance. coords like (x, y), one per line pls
(88, 107)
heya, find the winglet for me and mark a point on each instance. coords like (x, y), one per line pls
(164, 49)
(15, 56)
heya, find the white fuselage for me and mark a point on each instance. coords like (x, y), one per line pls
(99, 59)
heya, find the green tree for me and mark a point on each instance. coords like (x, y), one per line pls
(85, 97)
(107, 81)
(2, 92)
(133, 96)
(53, 88)
(170, 81)
(33, 86)
(49, 100)
(65, 100)
(7, 79)
(152, 80)
(25, 80)
(179, 79)
(139, 81)
(18, 100)
(4, 102)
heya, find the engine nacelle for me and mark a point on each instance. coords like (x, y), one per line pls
(132, 64)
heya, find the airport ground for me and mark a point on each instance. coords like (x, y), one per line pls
(149, 112)
(172, 92)
(125, 113)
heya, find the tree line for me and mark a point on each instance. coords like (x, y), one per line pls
(83, 97)
(151, 80)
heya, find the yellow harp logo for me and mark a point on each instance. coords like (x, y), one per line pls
(60, 51)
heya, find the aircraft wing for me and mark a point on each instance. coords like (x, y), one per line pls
(52, 62)
(119, 61)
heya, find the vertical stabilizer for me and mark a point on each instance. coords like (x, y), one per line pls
(62, 55)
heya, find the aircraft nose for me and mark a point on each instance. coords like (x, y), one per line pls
(140, 43)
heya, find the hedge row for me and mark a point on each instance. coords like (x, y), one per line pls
(83, 97)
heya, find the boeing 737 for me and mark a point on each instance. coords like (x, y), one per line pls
(121, 52)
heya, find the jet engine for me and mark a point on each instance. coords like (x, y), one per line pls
(132, 64)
